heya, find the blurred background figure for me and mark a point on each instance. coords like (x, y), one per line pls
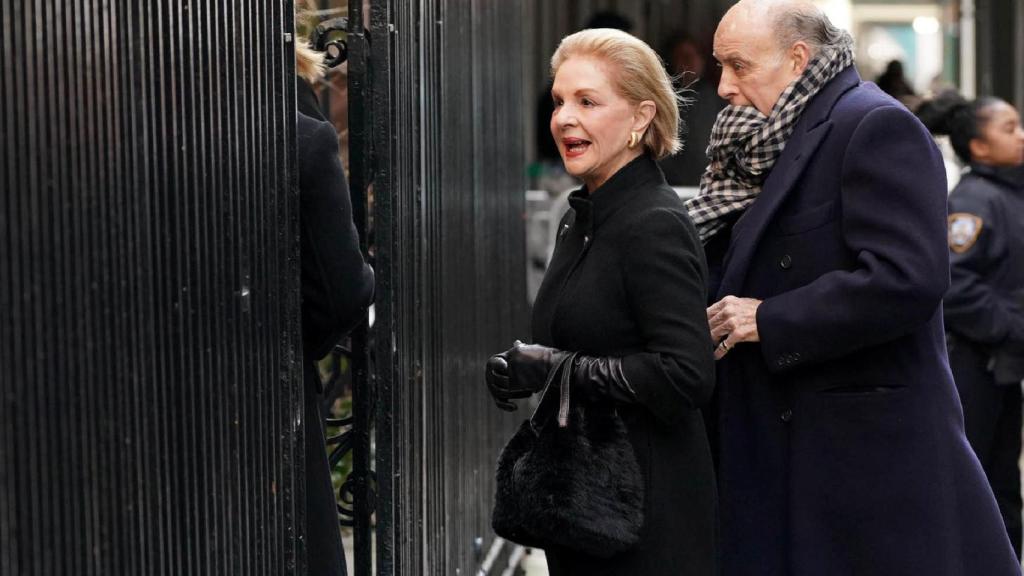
(687, 61)
(984, 308)
(895, 84)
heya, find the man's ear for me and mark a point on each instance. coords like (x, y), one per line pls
(800, 57)
(644, 115)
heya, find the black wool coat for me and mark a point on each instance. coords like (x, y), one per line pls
(841, 445)
(337, 287)
(627, 279)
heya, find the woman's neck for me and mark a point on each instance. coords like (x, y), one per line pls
(596, 181)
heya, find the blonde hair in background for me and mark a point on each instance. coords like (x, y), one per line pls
(309, 64)
(638, 74)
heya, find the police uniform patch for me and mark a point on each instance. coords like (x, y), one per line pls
(964, 230)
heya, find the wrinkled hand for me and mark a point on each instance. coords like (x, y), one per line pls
(519, 372)
(733, 320)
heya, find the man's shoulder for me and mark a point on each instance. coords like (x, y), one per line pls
(873, 114)
(861, 100)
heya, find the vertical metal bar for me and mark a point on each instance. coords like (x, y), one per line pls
(360, 152)
(386, 360)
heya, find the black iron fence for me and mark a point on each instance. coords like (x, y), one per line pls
(149, 350)
(448, 186)
(149, 356)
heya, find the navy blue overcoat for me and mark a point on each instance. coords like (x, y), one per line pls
(840, 444)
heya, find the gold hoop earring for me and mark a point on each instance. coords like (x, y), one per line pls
(634, 139)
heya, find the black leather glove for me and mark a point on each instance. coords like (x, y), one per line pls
(602, 377)
(520, 371)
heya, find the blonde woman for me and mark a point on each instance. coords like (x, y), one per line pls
(337, 287)
(626, 290)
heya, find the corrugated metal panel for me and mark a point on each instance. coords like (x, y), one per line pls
(148, 289)
(449, 205)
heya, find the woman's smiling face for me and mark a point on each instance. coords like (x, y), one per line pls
(592, 122)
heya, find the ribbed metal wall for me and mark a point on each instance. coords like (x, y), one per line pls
(149, 355)
(450, 255)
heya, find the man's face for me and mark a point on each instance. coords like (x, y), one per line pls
(755, 69)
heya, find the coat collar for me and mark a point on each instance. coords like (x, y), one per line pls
(809, 132)
(594, 208)
(1008, 177)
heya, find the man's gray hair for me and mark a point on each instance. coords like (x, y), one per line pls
(804, 22)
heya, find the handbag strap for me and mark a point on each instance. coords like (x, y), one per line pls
(544, 407)
(563, 397)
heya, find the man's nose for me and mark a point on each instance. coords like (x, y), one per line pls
(726, 86)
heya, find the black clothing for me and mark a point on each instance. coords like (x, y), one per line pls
(985, 302)
(627, 280)
(337, 286)
(306, 101)
(685, 167)
(984, 311)
(992, 421)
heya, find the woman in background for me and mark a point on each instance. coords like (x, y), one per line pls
(337, 288)
(984, 308)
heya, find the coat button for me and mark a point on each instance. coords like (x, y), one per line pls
(786, 416)
(786, 262)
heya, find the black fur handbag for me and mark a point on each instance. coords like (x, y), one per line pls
(573, 481)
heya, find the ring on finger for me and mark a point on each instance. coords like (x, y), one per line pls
(724, 346)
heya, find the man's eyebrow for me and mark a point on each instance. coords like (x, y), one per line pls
(729, 57)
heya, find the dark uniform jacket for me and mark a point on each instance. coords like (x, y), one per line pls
(985, 302)
(841, 447)
(627, 279)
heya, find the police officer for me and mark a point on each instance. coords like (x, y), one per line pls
(984, 308)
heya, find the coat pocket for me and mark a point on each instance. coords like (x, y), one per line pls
(808, 220)
(858, 390)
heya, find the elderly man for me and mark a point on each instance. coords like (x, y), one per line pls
(840, 438)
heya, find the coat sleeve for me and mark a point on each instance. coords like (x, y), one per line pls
(972, 307)
(337, 284)
(665, 278)
(893, 195)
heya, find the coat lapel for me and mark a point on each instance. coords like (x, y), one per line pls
(808, 134)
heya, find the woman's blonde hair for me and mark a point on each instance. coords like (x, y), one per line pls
(637, 73)
(309, 64)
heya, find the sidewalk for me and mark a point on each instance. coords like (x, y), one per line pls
(534, 563)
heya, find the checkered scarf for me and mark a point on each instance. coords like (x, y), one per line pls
(745, 144)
